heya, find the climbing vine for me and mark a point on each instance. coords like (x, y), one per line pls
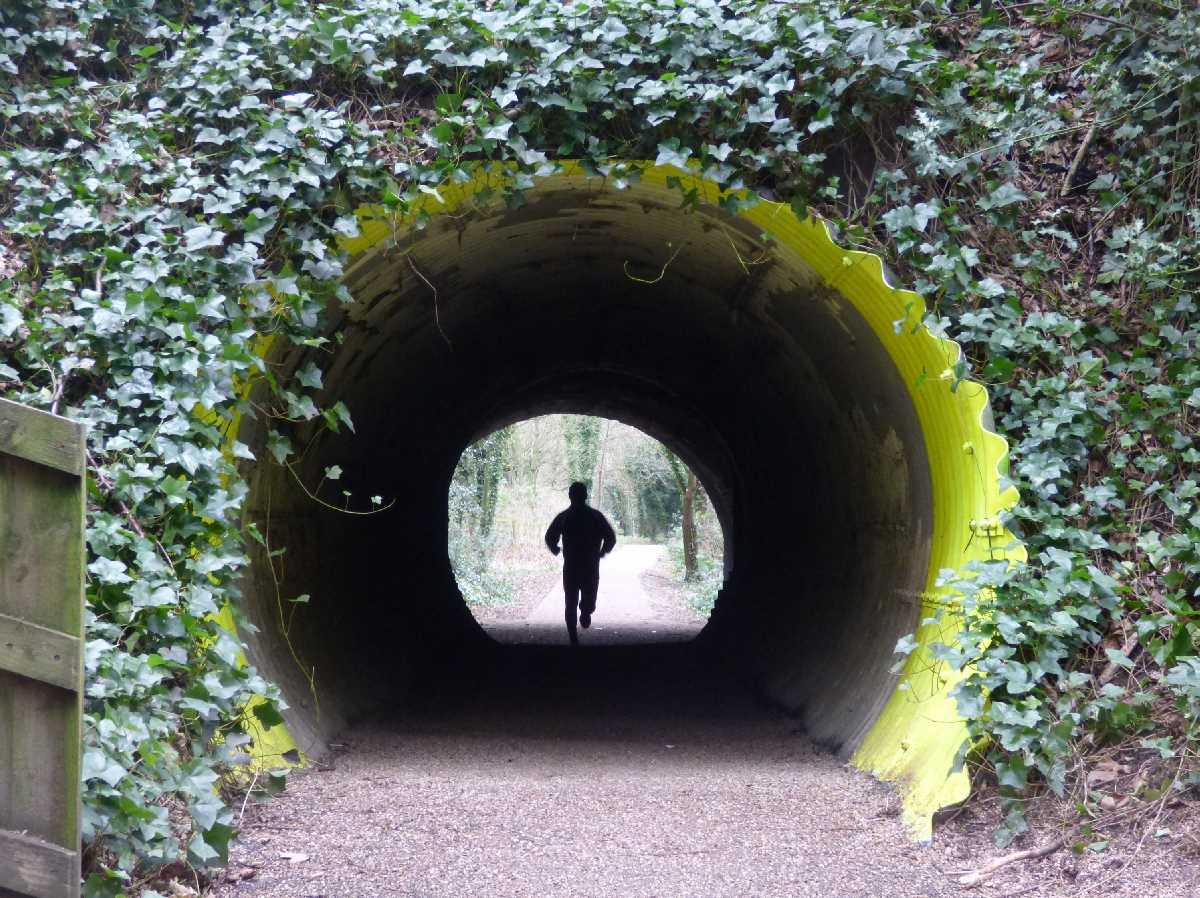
(176, 175)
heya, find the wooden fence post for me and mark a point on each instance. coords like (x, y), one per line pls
(42, 485)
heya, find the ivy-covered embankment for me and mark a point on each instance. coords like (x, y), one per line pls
(175, 175)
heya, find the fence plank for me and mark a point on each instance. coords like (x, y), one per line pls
(39, 652)
(41, 437)
(36, 868)
(41, 664)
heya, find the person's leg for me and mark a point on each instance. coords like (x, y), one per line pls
(589, 587)
(571, 603)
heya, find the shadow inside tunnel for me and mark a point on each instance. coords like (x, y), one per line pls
(575, 710)
(622, 633)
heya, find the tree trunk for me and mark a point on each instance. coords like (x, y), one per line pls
(598, 481)
(689, 528)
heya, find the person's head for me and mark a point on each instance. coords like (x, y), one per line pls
(578, 493)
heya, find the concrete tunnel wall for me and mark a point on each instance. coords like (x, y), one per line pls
(759, 362)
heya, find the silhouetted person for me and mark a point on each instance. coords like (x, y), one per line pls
(586, 538)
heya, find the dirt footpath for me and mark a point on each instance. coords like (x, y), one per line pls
(625, 613)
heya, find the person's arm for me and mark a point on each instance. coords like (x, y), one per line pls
(553, 534)
(610, 536)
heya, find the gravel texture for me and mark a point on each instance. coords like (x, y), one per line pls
(617, 782)
(623, 770)
(1154, 853)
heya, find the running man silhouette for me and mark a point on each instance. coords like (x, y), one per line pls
(586, 538)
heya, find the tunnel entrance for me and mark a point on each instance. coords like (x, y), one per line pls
(783, 370)
(660, 583)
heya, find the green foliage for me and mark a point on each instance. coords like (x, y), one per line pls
(701, 591)
(471, 549)
(698, 557)
(175, 176)
(656, 495)
(471, 510)
(480, 470)
(581, 434)
(1050, 210)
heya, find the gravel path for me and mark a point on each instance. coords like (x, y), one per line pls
(626, 768)
(599, 773)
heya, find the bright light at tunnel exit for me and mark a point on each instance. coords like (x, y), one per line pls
(658, 585)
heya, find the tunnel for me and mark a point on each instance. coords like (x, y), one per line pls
(846, 462)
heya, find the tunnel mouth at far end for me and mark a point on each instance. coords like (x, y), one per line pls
(844, 468)
(511, 491)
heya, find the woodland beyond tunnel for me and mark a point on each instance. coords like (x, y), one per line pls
(731, 350)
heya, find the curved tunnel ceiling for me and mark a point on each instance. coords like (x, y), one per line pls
(845, 467)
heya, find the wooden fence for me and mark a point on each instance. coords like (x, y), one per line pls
(42, 480)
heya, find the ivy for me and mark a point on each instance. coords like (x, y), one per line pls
(175, 176)
(1065, 258)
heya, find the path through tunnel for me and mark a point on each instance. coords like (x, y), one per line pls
(818, 429)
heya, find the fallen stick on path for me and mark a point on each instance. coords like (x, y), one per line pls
(974, 879)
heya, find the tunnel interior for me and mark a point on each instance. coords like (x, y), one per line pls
(727, 345)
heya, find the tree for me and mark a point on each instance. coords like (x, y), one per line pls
(480, 470)
(654, 494)
(488, 474)
(582, 435)
(687, 484)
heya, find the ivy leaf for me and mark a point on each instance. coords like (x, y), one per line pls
(720, 153)
(218, 838)
(109, 570)
(671, 153)
(347, 226)
(202, 237)
(294, 101)
(205, 807)
(1119, 658)
(309, 376)
(498, 130)
(822, 120)
(10, 320)
(905, 645)
(98, 765)
(343, 413)
(1013, 825)
(1012, 773)
(431, 191)
(201, 853)
(503, 97)
(279, 446)
(613, 29)
(267, 714)
(764, 112)
(916, 217)
(228, 649)
(1004, 195)
(200, 602)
